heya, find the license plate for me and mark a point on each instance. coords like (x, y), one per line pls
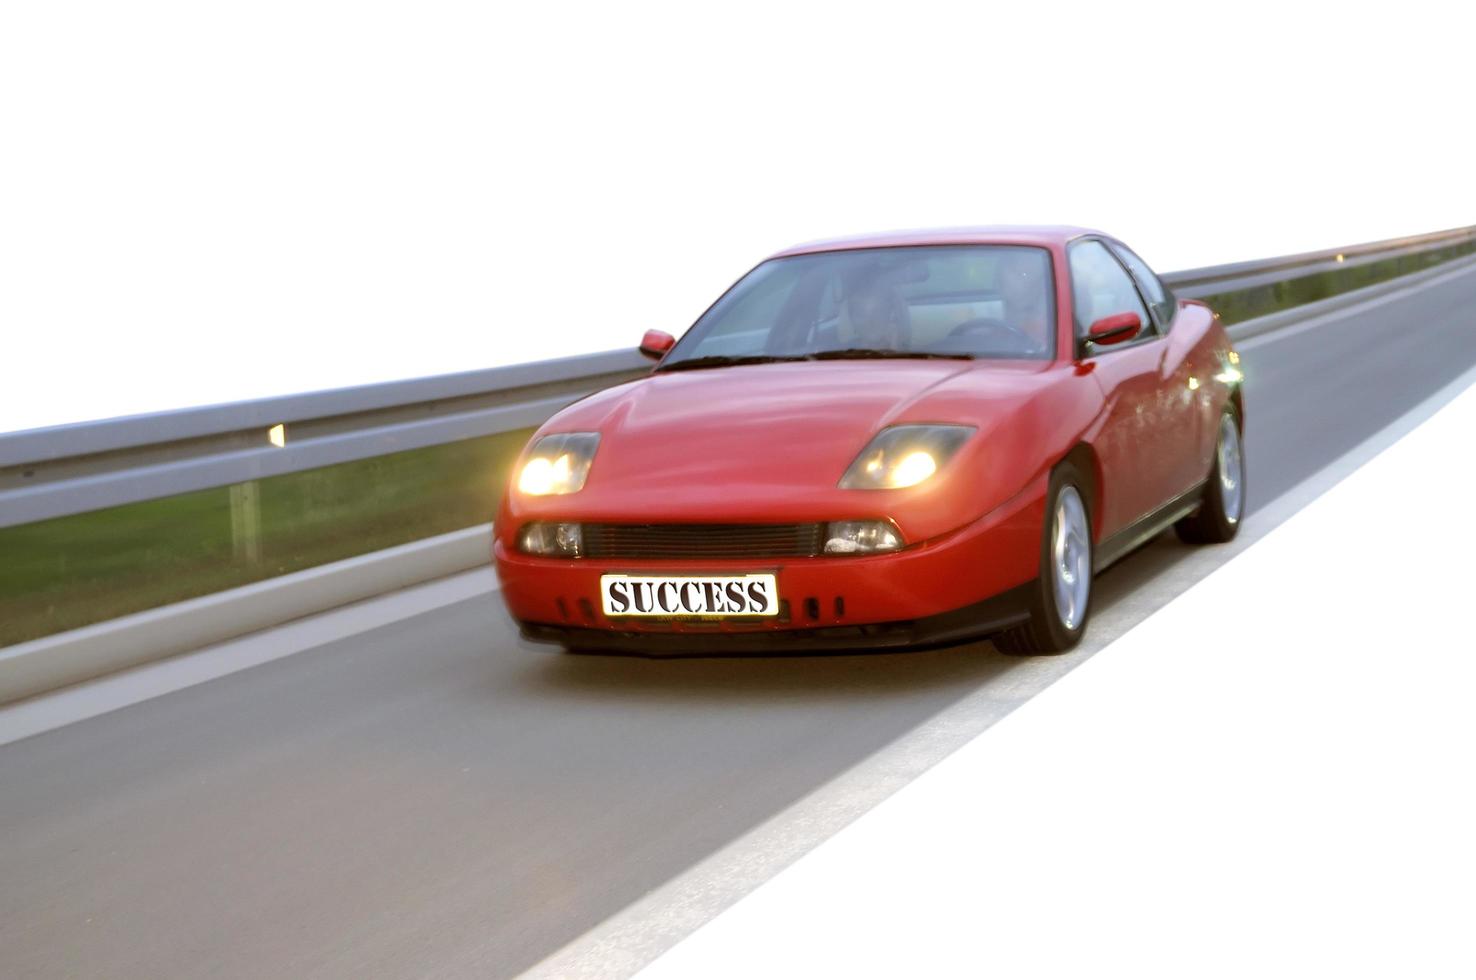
(689, 595)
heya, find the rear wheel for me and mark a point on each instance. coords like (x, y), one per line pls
(1060, 598)
(1218, 518)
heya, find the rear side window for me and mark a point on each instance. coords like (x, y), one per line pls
(1101, 287)
(1159, 298)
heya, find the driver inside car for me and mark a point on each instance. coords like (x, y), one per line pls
(874, 316)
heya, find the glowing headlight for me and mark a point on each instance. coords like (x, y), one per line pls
(904, 456)
(558, 463)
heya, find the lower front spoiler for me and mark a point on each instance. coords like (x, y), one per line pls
(955, 626)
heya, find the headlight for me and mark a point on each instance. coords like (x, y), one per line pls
(904, 456)
(861, 537)
(558, 540)
(558, 463)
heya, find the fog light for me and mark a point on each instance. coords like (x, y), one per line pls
(558, 540)
(861, 537)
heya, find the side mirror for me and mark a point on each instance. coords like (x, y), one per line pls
(1115, 329)
(656, 343)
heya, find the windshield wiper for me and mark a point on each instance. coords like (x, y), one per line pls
(862, 353)
(723, 360)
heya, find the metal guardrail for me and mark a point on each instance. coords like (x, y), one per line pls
(73, 469)
(1218, 279)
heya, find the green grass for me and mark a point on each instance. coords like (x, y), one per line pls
(60, 574)
(1247, 304)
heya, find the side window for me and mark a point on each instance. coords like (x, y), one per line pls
(1159, 297)
(1100, 287)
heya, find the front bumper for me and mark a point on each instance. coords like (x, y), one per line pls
(966, 583)
(969, 622)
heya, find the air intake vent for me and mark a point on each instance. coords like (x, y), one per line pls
(702, 540)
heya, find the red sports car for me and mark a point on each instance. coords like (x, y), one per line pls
(889, 441)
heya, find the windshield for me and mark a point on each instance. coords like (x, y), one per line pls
(988, 301)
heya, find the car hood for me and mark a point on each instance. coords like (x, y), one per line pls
(694, 444)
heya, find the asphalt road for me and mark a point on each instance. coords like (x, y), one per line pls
(436, 798)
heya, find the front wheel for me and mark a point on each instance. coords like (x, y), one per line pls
(1217, 520)
(1060, 598)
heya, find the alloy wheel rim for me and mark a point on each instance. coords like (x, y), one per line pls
(1232, 476)
(1071, 552)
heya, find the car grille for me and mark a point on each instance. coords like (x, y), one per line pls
(702, 540)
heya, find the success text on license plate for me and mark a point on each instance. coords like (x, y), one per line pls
(689, 595)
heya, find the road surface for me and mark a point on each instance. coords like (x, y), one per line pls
(436, 798)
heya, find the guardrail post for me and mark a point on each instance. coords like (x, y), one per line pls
(246, 522)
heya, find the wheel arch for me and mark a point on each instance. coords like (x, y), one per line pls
(1084, 459)
(1237, 398)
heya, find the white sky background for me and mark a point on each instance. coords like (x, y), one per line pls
(207, 202)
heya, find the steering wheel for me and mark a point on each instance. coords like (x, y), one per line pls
(990, 325)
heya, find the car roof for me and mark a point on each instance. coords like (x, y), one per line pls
(1042, 235)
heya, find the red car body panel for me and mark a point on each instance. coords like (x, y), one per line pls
(767, 443)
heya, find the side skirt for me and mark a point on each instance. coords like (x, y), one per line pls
(1146, 528)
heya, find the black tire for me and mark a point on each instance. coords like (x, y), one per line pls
(1046, 632)
(1211, 522)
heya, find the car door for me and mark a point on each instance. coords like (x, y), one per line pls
(1184, 370)
(1136, 440)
